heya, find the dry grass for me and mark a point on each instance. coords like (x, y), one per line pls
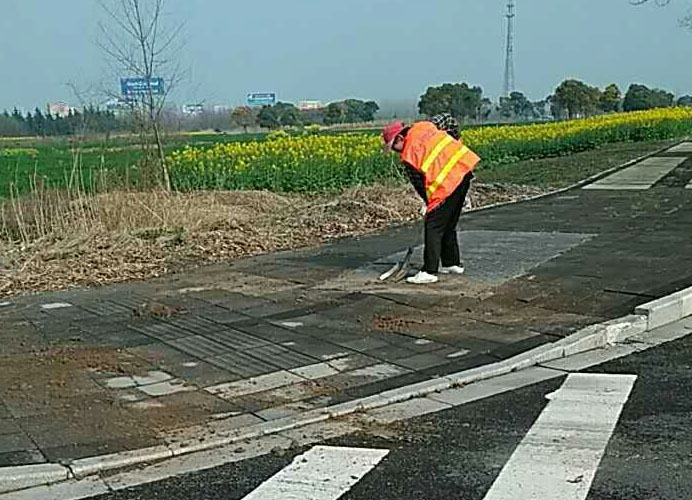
(53, 240)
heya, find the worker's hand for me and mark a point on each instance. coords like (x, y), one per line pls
(423, 210)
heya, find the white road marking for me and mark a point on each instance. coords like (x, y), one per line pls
(639, 176)
(323, 473)
(559, 456)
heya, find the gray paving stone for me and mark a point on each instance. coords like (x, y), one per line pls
(222, 315)
(420, 345)
(121, 338)
(269, 310)
(195, 324)
(242, 365)
(23, 457)
(283, 411)
(270, 332)
(365, 376)
(389, 353)
(160, 331)
(318, 349)
(236, 339)
(75, 451)
(422, 361)
(200, 373)
(352, 362)
(281, 357)
(166, 388)
(15, 442)
(105, 324)
(108, 308)
(364, 344)
(200, 347)
(9, 425)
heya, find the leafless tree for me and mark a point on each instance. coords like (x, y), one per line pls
(140, 45)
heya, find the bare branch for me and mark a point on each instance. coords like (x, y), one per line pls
(140, 46)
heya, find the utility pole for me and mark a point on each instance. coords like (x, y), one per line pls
(508, 86)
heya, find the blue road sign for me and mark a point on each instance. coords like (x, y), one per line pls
(138, 86)
(261, 99)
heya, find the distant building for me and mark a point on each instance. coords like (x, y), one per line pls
(193, 109)
(61, 109)
(306, 105)
(221, 108)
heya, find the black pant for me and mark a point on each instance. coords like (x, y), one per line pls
(441, 233)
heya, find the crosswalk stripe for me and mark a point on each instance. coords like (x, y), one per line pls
(640, 176)
(559, 456)
(323, 473)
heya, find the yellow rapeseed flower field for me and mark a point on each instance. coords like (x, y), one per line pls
(318, 162)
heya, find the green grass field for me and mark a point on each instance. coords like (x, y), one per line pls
(57, 162)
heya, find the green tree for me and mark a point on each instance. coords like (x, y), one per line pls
(516, 106)
(350, 111)
(268, 117)
(611, 99)
(541, 109)
(288, 114)
(244, 117)
(640, 97)
(39, 123)
(458, 99)
(335, 113)
(685, 100)
(577, 99)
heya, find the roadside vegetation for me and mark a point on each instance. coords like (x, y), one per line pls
(76, 214)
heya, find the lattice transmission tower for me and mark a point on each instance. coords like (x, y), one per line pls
(508, 85)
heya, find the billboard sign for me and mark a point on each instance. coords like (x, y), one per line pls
(193, 109)
(131, 87)
(261, 99)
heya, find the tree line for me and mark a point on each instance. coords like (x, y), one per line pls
(571, 99)
(90, 119)
(287, 115)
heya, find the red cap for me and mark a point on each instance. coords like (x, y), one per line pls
(391, 131)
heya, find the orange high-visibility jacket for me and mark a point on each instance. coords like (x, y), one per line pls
(443, 161)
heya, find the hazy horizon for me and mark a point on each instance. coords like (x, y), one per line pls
(382, 50)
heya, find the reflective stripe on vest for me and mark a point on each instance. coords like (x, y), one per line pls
(445, 171)
(442, 161)
(435, 153)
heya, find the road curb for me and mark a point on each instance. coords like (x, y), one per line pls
(665, 310)
(26, 476)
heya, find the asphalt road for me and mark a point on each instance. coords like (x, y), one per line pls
(459, 453)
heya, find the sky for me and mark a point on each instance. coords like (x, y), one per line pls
(369, 49)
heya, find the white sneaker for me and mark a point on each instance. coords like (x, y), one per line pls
(452, 270)
(422, 278)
